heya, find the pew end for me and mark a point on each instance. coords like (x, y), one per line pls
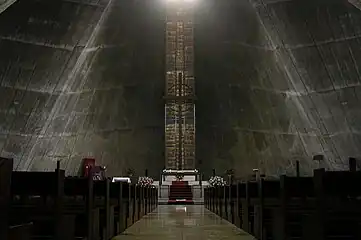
(20, 231)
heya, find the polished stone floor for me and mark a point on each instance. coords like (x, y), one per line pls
(183, 222)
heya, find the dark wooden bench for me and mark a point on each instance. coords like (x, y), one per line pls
(79, 202)
(37, 197)
(119, 196)
(147, 199)
(153, 198)
(338, 205)
(48, 205)
(325, 206)
(268, 203)
(249, 191)
(211, 198)
(132, 205)
(296, 204)
(20, 232)
(226, 203)
(107, 208)
(139, 202)
(218, 196)
(233, 212)
(12, 232)
(6, 167)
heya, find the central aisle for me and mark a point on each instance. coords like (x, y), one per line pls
(183, 223)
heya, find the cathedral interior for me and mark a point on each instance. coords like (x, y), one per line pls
(180, 84)
(275, 81)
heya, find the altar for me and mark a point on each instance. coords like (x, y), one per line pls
(181, 186)
(191, 176)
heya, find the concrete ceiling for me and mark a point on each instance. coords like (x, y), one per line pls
(4, 4)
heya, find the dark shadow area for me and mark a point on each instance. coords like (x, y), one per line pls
(234, 62)
(277, 82)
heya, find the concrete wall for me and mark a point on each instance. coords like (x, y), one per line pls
(278, 81)
(4, 4)
(82, 79)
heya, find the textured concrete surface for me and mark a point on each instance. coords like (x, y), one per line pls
(356, 3)
(4, 4)
(82, 78)
(183, 223)
(277, 81)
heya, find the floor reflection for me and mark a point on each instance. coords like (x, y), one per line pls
(183, 222)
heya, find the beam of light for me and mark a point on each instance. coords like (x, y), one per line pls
(4, 4)
(78, 68)
(356, 3)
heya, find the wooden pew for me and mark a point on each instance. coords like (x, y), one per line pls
(326, 206)
(338, 205)
(240, 193)
(226, 203)
(264, 206)
(139, 202)
(132, 205)
(107, 208)
(220, 201)
(296, 204)
(146, 199)
(20, 232)
(322, 207)
(234, 212)
(150, 201)
(13, 232)
(248, 191)
(79, 201)
(279, 212)
(38, 197)
(214, 199)
(155, 198)
(6, 167)
(213, 196)
(248, 205)
(119, 195)
(206, 198)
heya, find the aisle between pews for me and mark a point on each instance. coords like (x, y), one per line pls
(191, 222)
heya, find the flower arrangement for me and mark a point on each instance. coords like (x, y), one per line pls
(217, 181)
(145, 181)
